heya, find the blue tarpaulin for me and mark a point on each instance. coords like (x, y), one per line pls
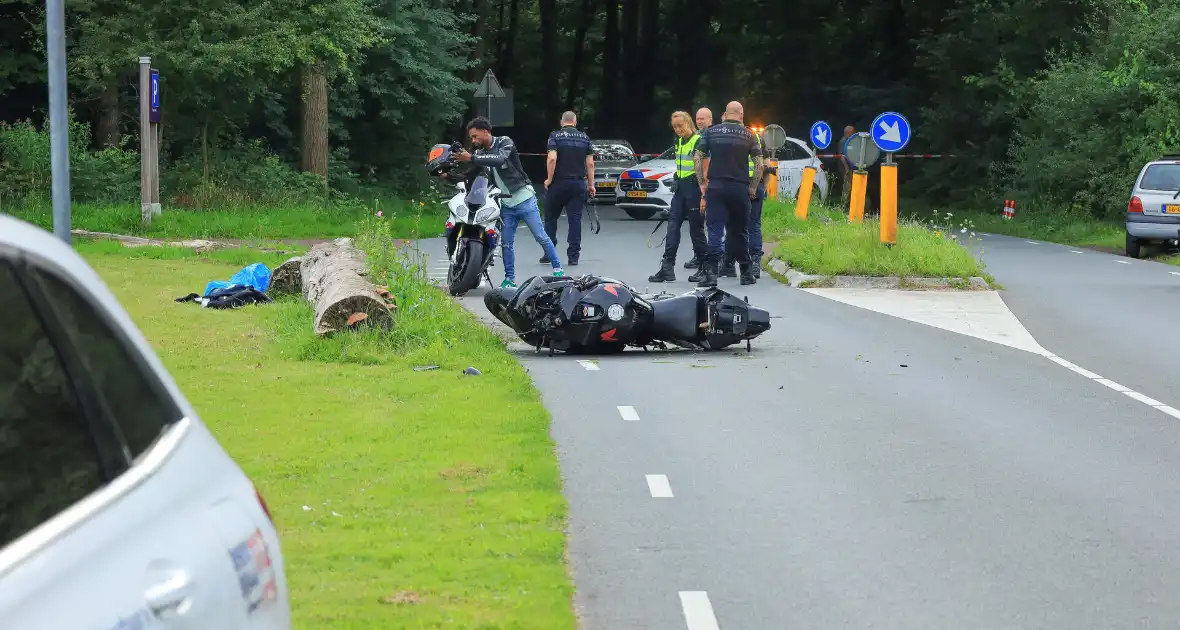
(255, 276)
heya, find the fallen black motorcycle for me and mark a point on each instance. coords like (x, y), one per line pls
(596, 315)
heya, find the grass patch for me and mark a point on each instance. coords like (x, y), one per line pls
(409, 220)
(1039, 224)
(432, 499)
(827, 244)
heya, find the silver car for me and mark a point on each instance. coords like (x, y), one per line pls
(1153, 213)
(611, 157)
(118, 508)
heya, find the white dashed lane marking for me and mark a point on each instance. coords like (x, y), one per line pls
(698, 612)
(628, 413)
(1123, 262)
(1175, 273)
(1122, 389)
(590, 366)
(1077, 252)
(659, 487)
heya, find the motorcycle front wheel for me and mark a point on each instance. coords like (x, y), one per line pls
(463, 274)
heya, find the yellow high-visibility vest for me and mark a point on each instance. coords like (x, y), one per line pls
(684, 159)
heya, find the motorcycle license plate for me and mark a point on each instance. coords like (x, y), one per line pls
(606, 184)
(637, 194)
(1171, 209)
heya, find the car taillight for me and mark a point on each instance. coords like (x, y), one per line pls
(262, 502)
(1135, 205)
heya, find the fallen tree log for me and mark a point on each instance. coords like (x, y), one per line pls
(334, 278)
(287, 277)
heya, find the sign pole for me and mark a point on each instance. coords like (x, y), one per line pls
(889, 201)
(145, 141)
(891, 133)
(821, 138)
(59, 124)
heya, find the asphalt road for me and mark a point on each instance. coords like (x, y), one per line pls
(1110, 314)
(862, 471)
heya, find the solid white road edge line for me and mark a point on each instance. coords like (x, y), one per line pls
(1032, 242)
(628, 412)
(589, 365)
(698, 612)
(1122, 389)
(659, 487)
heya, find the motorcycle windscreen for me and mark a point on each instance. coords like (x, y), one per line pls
(478, 194)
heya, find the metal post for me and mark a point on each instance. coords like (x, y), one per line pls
(145, 140)
(59, 124)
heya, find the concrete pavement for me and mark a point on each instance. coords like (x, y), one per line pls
(856, 470)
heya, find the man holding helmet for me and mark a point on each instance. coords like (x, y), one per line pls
(499, 156)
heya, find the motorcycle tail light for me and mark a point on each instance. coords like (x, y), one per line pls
(450, 225)
(491, 232)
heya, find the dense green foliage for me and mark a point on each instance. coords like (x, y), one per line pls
(1054, 102)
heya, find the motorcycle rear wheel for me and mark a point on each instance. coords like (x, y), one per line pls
(463, 274)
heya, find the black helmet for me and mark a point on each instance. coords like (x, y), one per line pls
(439, 158)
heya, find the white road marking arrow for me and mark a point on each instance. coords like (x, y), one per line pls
(821, 135)
(892, 132)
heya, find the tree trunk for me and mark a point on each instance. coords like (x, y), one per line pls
(692, 51)
(508, 56)
(107, 129)
(610, 70)
(205, 151)
(287, 278)
(334, 277)
(315, 121)
(588, 12)
(483, 10)
(548, 14)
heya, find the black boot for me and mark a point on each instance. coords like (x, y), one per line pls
(544, 259)
(692, 263)
(756, 266)
(571, 258)
(728, 268)
(747, 274)
(667, 272)
(708, 275)
(696, 276)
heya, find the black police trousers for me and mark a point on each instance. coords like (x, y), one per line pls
(686, 204)
(727, 209)
(568, 195)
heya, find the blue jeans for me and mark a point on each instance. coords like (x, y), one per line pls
(754, 231)
(530, 214)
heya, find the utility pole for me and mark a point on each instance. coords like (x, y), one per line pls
(59, 124)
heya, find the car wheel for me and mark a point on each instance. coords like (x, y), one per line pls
(640, 214)
(1134, 246)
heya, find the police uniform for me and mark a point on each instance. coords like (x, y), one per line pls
(754, 232)
(731, 147)
(686, 204)
(568, 189)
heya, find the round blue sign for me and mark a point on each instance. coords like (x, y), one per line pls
(821, 135)
(891, 132)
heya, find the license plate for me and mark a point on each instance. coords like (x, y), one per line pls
(1171, 209)
(605, 184)
(637, 194)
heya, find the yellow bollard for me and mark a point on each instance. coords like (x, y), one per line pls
(804, 193)
(889, 203)
(856, 203)
(772, 179)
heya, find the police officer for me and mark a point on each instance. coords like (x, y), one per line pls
(569, 179)
(704, 120)
(754, 232)
(686, 201)
(728, 190)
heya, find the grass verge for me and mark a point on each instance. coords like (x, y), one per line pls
(404, 498)
(409, 219)
(826, 244)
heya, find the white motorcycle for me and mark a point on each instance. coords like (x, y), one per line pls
(472, 234)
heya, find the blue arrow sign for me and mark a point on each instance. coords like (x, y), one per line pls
(821, 135)
(891, 132)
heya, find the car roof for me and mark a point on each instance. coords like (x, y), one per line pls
(32, 242)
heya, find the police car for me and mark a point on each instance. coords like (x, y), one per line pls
(118, 509)
(646, 188)
(611, 157)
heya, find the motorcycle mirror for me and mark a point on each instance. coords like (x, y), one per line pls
(461, 186)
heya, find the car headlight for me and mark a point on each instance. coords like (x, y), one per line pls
(667, 182)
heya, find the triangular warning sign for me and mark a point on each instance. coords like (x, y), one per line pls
(489, 87)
